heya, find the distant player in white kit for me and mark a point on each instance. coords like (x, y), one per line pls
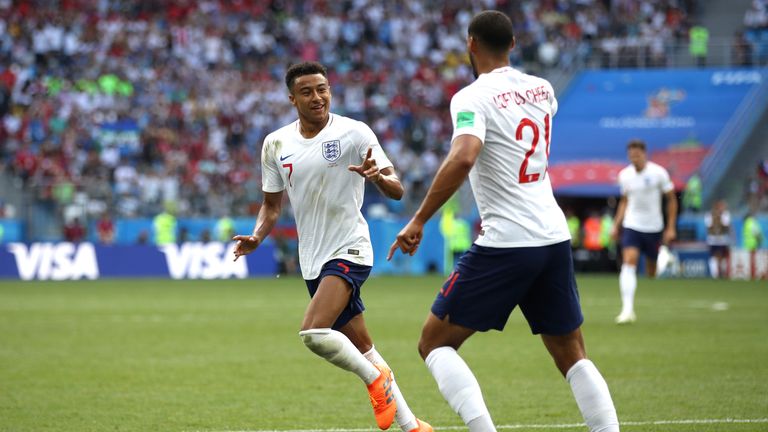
(718, 223)
(643, 185)
(323, 160)
(501, 140)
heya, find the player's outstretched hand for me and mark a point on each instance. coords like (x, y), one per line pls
(245, 245)
(408, 239)
(368, 168)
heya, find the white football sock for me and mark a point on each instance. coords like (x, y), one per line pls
(339, 350)
(592, 397)
(627, 286)
(404, 417)
(714, 267)
(460, 388)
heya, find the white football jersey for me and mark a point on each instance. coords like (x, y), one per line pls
(326, 197)
(644, 191)
(511, 113)
(718, 232)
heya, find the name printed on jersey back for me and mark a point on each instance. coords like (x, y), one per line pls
(532, 95)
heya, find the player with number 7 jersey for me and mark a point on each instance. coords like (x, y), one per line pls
(509, 179)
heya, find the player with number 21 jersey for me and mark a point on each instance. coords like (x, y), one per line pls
(501, 104)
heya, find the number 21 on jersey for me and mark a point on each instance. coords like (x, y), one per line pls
(524, 175)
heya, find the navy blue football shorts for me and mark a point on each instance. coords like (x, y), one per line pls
(647, 243)
(487, 283)
(355, 275)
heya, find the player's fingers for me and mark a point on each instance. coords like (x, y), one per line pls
(370, 152)
(392, 250)
(355, 168)
(405, 242)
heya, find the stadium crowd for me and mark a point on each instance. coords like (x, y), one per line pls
(124, 106)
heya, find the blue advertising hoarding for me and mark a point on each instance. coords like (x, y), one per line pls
(678, 113)
(72, 261)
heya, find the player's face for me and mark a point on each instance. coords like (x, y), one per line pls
(311, 95)
(637, 157)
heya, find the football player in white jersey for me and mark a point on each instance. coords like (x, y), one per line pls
(643, 185)
(718, 223)
(323, 160)
(501, 141)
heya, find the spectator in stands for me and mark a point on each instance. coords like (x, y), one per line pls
(142, 238)
(762, 184)
(718, 223)
(741, 50)
(74, 231)
(183, 235)
(158, 105)
(105, 229)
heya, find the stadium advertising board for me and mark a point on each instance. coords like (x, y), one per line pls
(678, 113)
(742, 265)
(193, 260)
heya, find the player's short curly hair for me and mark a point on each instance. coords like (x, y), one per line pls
(493, 29)
(636, 143)
(301, 69)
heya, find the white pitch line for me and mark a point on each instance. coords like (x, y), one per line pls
(533, 426)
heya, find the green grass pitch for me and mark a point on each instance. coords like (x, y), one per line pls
(152, 355)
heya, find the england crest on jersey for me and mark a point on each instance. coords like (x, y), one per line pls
(331, 150)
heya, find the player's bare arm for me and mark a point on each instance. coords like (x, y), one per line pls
(452, 173)
(268, 214)
(620, 209)
(386, 179)
(670, 232)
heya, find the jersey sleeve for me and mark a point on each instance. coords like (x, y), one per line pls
(622, 183)
(552, 99)
(666, 182)
(725, 219)
(271, 181)
(467, 116)
(368, 140)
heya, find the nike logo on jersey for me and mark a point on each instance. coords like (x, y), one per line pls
(282, 158)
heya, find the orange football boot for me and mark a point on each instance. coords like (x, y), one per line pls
(423, 427)
(382, 398)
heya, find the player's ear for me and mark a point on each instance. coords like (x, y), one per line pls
(512, 45)
(291, 98)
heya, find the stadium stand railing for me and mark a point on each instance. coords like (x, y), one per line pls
(732, 138)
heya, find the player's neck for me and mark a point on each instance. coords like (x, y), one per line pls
(309, 129)
(640, 166)
(491, 64)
